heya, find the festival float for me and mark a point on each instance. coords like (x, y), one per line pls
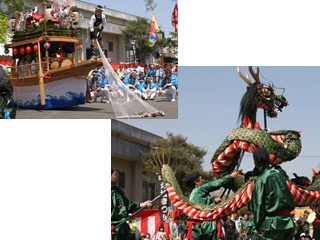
(57, 76)
(282, 145)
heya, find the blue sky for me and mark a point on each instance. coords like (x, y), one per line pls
(163, 10)
(209, 99)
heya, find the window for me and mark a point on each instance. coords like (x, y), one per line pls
(110, 46)
(148, 190)
(121, 180)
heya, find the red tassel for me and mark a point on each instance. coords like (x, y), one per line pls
(219, 228)
(314, 173)
(189, 227)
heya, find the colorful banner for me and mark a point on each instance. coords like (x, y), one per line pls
(174, 18)
(149, 221)
(154, 28)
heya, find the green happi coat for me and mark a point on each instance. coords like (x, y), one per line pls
(246, 226)
(120, 207)
(201, 194)
(271, 204)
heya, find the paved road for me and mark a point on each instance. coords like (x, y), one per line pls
(96, 110)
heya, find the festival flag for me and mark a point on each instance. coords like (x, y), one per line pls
(174, 18)
(154, 28)
(164, 206)
(149, 221)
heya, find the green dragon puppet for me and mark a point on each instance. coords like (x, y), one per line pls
(283, 145)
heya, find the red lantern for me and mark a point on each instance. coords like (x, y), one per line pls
(28, 49)
(46, 45)
(22, 51)
(15, 51)
(35, 48)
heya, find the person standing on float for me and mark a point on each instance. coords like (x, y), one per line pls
(96, 24)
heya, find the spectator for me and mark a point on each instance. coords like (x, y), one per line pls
(126, 71)
(137, 68)
(237, 222)
(152, 71)
(96, 89)
(120, 72)
(229, 227)
(304, 222)
(131, 82)
(34, 65)
(307, 237)
(169, 85)
(149, 90)
(105, 86)
(161, 234)
(25, 65)
(176, 229)
(140, 84)
(246, 228)
(298, 230)
(316, 221)
(302, 236)
(142, 236)
(159, 73)
(133, 229)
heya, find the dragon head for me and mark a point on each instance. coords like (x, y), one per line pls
(259, 95)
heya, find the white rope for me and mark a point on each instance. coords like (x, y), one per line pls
(124, 102)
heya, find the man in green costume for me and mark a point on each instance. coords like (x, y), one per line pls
(120, 209)
(207, 230)
(271, 201)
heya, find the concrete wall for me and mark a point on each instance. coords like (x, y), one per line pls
(127, 143)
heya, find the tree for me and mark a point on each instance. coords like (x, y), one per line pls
(4, 16)
(171, 43)
(138, 31)
(150, 5)
(4, 23)
(183, 157)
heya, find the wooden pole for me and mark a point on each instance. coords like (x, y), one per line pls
(41, 82)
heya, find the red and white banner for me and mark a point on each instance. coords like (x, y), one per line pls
(149, 221)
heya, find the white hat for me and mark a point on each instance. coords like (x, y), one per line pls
(98, 7)
(302, 234)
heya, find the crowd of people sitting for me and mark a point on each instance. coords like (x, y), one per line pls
(146, 82)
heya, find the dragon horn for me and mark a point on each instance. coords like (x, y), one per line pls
(255, 75)
(244, 77)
